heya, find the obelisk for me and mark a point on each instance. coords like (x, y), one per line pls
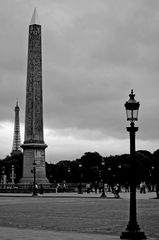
(34, 145)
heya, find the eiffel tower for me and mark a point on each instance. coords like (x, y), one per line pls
(16, 149)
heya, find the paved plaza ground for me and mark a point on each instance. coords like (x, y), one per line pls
(72, 216)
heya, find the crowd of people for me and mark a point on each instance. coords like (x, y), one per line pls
(100, 187)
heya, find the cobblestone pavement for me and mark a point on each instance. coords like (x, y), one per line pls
(29, 234)
(124, 195)
(28, 218)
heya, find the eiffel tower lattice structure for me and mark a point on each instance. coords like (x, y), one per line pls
(16, 137)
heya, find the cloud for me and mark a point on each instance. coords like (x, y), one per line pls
(70, 144)
(75, 142)
(94, 53)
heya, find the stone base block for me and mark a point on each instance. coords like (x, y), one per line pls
(30, 181)
(137, 235)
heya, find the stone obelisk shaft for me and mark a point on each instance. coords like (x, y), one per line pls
(34, 146)
(34, 111)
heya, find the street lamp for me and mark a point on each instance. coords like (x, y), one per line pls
(119, 167)
(133, 230)
(34, 183)
(109, 180)
(13, 175)
(119, 175)
(69, 174)
(103, 195)
(80, 185)
(3, 178)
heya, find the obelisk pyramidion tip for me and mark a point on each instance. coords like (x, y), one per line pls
(35, 18)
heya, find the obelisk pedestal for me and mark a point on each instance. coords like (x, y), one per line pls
(34, 145)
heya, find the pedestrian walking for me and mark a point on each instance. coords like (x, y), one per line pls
(41, 190)
(116, 191)
(88, 187)
(142, 187)
(157, 190)
(96, 186)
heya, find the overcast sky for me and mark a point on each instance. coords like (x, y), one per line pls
(94, 53)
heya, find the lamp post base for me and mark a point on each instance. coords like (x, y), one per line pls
(80, 191)
(133, 235)
(34, 194)
(133, 232)
(103, 195)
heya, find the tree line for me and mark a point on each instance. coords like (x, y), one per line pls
(92, 167)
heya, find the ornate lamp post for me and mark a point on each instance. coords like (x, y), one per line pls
(69, 174)
(103, 195)
(153, 168)
(119, 175)
(151, 179)
(80, 185)
(133, 230)
(109, 180)
(13, 175)
(3, 176)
